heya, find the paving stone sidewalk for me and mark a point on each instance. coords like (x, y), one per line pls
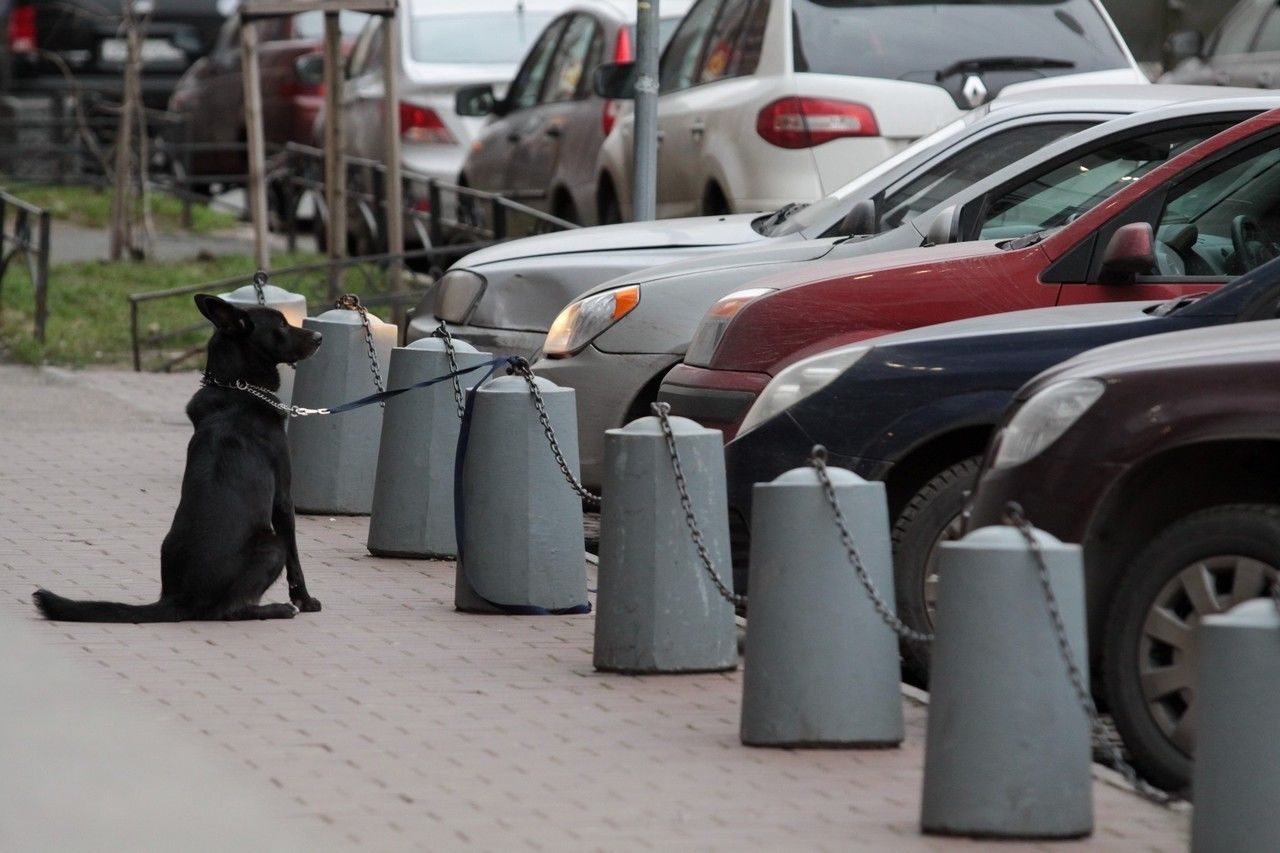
(388, 721)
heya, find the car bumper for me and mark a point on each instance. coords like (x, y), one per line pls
(607, 386)
(505, 342)
(718, 399)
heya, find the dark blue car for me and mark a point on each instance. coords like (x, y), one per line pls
(916, 410)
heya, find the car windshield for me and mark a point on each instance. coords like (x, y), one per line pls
(929, 42)
(475, 39)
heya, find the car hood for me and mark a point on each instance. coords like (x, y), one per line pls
(1225, 345)
(865, 265)
(664, 233)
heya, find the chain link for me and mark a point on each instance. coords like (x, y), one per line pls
(1016, 518)
(521, 367)
(818, 459)
(442, 332)
(264, 395)
(351, 302)
(259, 282)
(662, 411)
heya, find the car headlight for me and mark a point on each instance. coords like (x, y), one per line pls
(1044, 418)
(798, 381)
(709, 332)
(457, 292)
(583, 320)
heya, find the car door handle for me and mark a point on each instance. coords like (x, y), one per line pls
(698, 128)
(554, 132)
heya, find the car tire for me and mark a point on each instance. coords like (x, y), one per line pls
(568, 211)
(1183, 574)
(714, 202)
(928, 518)
(610, 212)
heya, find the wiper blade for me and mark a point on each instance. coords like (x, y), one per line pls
(1002, 63)
(1177, 303)
(782, 214)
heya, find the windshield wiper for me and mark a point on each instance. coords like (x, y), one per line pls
(1002, 63)
(1177, 303)
(781, 215)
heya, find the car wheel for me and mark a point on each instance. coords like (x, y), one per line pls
(714, 203)
(610, 213)
(568, 211)
(1205, 563)
(931, 517)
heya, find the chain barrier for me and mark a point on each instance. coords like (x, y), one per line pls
(818, 459)
(1016, 518)
(442, 332)
(520, 367)
(259, 282)
(351, 302)
(662, 411)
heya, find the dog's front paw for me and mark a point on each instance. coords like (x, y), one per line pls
(306, 604)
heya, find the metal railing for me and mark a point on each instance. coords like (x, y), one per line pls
(24, 232)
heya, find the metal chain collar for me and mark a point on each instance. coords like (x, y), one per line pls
(521, 367)
(351, 302)
(259, 282)
(818, 459)
(1015, 517)
(663, 411)
(264, 395)
(442, 332)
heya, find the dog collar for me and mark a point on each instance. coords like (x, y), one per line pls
(262, 394)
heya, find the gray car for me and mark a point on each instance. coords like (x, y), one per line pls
(504, 298)
(615, 359)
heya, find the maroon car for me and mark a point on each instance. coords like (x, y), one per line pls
(1161, 456)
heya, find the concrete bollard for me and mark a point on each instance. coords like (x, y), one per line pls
(1007, 750)
(521, 548)
(1236, 777)
(294, 308)
(821, 666)
(335, 457)
(658, 611)
(413, 490)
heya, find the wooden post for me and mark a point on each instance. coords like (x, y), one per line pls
(335, 169)
(253, 132)
(122, 200)
(391, 155)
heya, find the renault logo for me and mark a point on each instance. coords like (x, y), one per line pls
(974, 90)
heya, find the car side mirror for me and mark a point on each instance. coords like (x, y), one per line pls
(475, 100)
(945, 226)
(615, 80)
(860, 220)
(309, 69)
(1182, 45)
(1130, 252)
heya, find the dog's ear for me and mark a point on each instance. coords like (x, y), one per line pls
(227, 317)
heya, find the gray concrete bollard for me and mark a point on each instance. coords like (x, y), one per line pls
(335, 457)
(413, 490)
(821, 667)
(657, 611)
(294, 308)
(1007, 750)
(1236, 776)
(521, 548)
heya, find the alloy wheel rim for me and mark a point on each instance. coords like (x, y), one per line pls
(930, 581)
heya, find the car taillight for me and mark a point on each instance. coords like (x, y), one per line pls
(806, 122)
(422, 124)
(621, 53)
(22, 29)
(609, 115)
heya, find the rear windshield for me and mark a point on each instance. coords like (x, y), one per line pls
(475, 39)
(928, 42)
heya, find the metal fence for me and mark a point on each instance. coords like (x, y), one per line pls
(24, 237)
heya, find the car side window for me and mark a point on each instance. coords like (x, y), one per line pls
(733, 46)
(976, 161)
(680, 61)
(568, 68)
(527, 87)
(1236, 33)
(1269, 36)
(1059, 194)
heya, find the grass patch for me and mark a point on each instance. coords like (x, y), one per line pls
(89, 314)
(91, 207)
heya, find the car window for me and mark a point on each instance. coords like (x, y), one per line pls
(1269, 36)
(566, 75)
(1236, 33)
(528, 83)
(680, 60)
(482, 38)
(366, 55)
(310, 25)
(1225, 220)
(976, 161)
(1062, 193)
(733, 46)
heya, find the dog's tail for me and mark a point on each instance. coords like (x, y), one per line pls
(65, 610)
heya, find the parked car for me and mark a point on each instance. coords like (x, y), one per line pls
(1160, 457)
(60, 48)
(764, 102)
(1244, 50)
(1206, 205)
(210, 95)
(615, 360)
(915, 410)
(540, 146)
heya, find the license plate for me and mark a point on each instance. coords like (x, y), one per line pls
(115, 51)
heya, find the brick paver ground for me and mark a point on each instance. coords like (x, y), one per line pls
(389, 721)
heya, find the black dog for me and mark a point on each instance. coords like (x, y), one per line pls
(234, 529)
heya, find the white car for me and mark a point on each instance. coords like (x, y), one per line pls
(764, 102)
